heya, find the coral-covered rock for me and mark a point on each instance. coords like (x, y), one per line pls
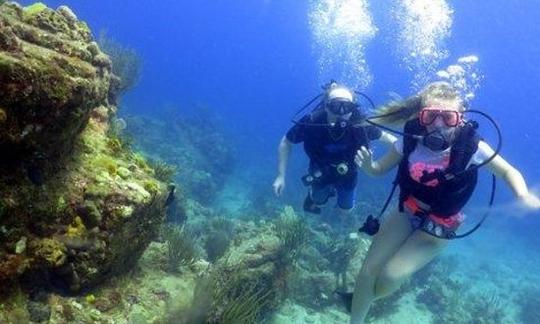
(313, 289)
(248, 279)
(76, 205)
(50, 251)
(49, 80)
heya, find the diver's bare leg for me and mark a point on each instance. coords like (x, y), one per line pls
(419, 249)
(393, 233)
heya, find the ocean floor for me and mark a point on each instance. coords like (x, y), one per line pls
(146, 294)
(476, 280)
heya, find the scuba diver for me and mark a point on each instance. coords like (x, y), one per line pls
(437, 160)
(332, 133)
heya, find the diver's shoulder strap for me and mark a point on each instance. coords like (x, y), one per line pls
(412, 127)
(317, 115)
(464, 147)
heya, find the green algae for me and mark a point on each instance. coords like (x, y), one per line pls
(35, 8)
(151, 186)
(107, 163)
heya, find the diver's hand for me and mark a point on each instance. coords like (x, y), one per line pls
(279, 185)
(364, 160)
(530, 200)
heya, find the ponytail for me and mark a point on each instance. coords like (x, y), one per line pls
(401, 111)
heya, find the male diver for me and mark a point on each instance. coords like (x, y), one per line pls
(332, 133)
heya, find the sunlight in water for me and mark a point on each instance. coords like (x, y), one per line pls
(341, 29)
(423, 25)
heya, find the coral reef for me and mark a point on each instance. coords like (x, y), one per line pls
(140, 296)
(240, 287)
(70, 198)
(451, 300)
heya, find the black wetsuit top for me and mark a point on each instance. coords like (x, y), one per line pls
(328, 146)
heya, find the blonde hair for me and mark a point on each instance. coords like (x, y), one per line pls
(401, 111)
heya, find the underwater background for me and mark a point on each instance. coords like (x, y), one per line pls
(219, 82)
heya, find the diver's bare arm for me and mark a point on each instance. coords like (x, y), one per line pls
(284, 151)
(501, 168)
(387, 138)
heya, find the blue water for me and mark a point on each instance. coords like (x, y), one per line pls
(255, 62)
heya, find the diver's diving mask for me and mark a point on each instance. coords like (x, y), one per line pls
(428, 115)
(341, 107)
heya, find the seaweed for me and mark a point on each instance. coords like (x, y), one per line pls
(293, 233)
(163, 171)
(181, 251)
(216, 245)
(441, 297)
(222, 224)
(246, 304)
(219, 237)
(234, 298)
(126, 62)
(225, 297)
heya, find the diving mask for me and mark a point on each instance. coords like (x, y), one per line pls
(341, 107)
(428, 115)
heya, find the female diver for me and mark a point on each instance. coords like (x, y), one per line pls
(443, 141)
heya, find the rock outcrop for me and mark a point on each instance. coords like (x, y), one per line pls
(76, 204)
(52, 75)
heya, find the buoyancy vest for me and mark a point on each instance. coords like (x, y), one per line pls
(319, 140)
(456, 183)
